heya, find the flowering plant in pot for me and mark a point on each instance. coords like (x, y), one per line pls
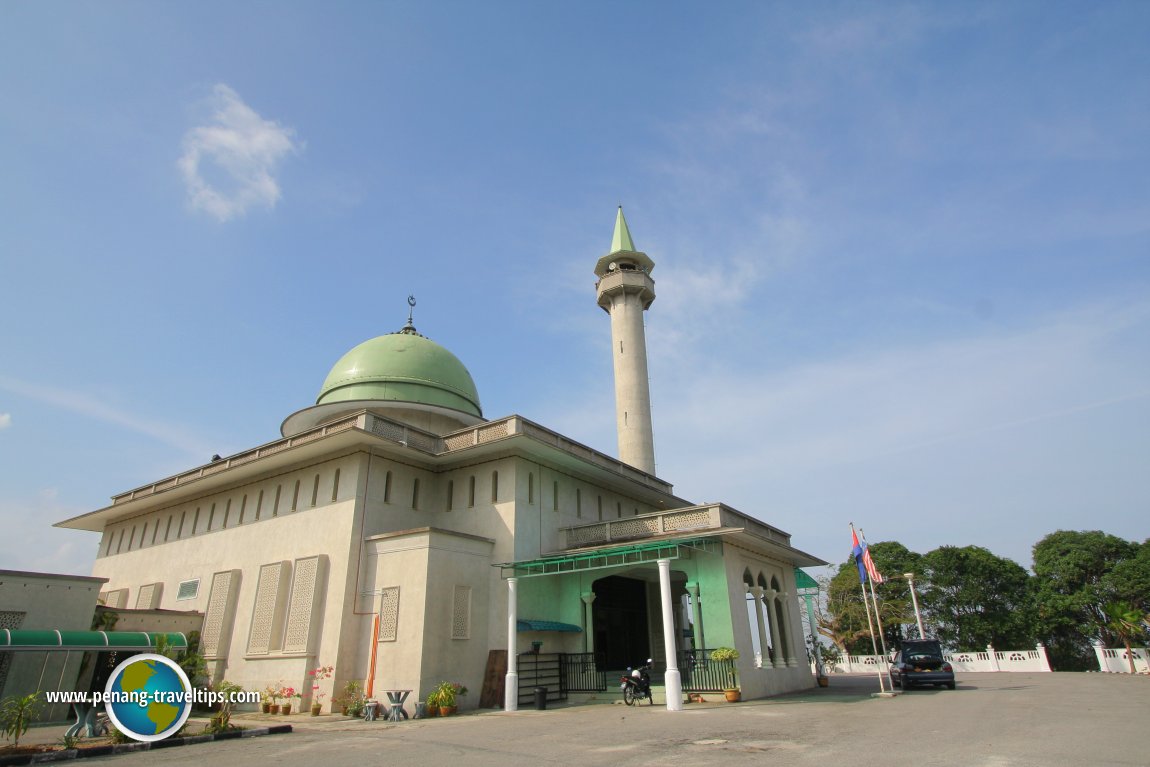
(288, 693)
(317, 695)
(728, 656)
(446, 695)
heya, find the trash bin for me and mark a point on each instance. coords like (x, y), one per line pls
(540, 698)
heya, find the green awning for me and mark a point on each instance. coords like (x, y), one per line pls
(805, 581)
(51, 639)
(604, 557)
(529, 625)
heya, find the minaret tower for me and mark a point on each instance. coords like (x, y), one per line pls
(625, 290)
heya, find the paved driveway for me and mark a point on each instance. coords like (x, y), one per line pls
(991, 720)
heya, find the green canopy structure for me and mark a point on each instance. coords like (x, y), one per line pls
(48, 640)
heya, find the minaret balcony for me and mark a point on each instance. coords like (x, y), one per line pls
(625, 281)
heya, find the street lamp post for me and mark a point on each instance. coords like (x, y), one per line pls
(914, 598)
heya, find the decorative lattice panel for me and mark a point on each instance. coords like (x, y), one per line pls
(461, 613)
(387, 429)
(634, 528)
(263, 615)
(219, 599)
(690, 520)
(148, 598)
(457, 441)
(495, 431)
(588, 534)
(302, 606)
(389, 614)
(117, 598)
(9, 619)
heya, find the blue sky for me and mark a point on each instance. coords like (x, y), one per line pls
(903, 250)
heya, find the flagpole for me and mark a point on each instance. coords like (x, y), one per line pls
(869, 623)
(878, 618)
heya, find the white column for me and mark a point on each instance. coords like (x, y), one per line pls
(773, 614)
(673, 681)
(1042, 658)
(757, 593)
(789, 624)
(588, 598)
(511, 681)
(992, 656)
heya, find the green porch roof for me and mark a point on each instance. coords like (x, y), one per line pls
(530, 625)
(607, 557)
(51, 639)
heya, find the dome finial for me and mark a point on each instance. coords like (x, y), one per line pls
(409, 327)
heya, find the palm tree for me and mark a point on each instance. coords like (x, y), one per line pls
(1125, 623)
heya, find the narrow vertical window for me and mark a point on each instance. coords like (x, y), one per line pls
(530, 488)
(276, 502)
(243, 507)
(450, 494)
(387, 488)
(555, 496)
(619, 509)
(130, 542)
(155, 530)
(108, 536)
(212, 517)
(415, 493)
(315, 490)
(120, 541)
(295, 497)
(168, 528)
(600, 503)
(196, 521)
(494, 486)
(259, 505)
(578, 502)
(227, 512)
(335, 486)
(470, 492)
(180, 531)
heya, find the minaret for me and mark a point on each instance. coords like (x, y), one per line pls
(625, 290)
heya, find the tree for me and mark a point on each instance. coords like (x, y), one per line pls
(976, 598)
(1077, 573)
(843, 618)
(1126, 624)
(16, 715)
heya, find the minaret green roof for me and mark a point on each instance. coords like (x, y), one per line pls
(623, 250)
(621, 240)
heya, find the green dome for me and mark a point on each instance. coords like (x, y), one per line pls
(402, 367)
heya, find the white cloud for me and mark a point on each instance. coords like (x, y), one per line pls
(5, 420)
(87, 405)
(229, 165)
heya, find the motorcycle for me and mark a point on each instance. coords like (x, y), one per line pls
(636, 684)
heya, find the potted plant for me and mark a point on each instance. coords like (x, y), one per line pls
(728, 656)
(431, 704)
(288, 693)
(317, 695)
(275, 692)
(351, 701)
(446, 694)
(266, 699)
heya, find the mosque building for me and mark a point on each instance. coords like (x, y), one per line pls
(397, 534)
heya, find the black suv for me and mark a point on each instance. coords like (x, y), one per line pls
(920, 661)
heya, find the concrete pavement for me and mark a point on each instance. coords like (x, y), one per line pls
(991, 720)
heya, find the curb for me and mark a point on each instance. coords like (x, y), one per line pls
(128, 748)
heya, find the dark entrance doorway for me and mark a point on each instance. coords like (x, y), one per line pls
(619, 613)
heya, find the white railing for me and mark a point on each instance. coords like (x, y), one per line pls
(1116, 661)
(990, 660)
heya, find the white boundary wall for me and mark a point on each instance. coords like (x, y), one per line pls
(990, 660)
(1116, 661)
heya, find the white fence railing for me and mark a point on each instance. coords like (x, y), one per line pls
(990, 660)
(1118, 662)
